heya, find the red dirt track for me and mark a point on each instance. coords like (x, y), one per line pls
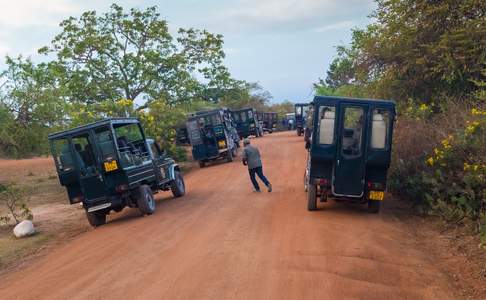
(222, 241)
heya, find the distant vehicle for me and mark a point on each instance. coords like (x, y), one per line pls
(247, 122)
(212, 135)
(349, 150)
(268, 120)
(109, 164)
(300, 116)
(182, 138)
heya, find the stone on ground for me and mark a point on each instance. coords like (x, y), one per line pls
(24, 228)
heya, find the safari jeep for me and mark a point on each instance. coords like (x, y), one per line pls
(349, 150)
(247, 122)
(300, 116)
(268, 120)
(109, 164)
(212, 135)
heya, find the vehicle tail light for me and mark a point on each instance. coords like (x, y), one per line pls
(375, 185)
(121, 188)
(322, 181)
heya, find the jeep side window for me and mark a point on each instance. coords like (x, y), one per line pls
(83, 154)
(131, 145)
(327, 117)
(304, 110)
(105, 143)
(380, 125)
(298, 110)
(354, 122)
(63, 156)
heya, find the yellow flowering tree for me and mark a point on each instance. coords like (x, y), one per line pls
(82, 113)
(455, 177)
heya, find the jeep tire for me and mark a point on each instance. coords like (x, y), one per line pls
(96, 218)
(311, 197)
(145, 200)
(177, 185)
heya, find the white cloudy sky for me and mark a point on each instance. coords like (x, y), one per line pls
(285, 45)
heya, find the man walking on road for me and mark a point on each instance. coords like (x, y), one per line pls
(251, 158)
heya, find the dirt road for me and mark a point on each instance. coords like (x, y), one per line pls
(222, 241)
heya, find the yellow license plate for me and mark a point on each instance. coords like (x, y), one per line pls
(111, 166)
(222, 144)
(377, 195)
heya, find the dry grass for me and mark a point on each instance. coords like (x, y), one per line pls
(13, 249)
(54, 218)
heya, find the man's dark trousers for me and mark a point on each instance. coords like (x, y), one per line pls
(259, 172)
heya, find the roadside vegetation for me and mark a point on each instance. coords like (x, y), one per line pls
(430, 57)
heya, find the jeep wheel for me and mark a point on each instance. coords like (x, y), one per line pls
(311, 197)
(96, 218)
(229, 156)
(202, 164)
(177, 186)
(145, 200)
(374, 206)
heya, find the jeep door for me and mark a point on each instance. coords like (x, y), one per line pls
(90, 173)
(350, 166)
(161, 162)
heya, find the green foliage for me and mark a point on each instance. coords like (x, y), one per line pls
(13, 199)
(160, 122)
(416, 49)
(347, 90)
(448, 175)
(31, 106)
(250, 95)
(282, 108)
(128, 55)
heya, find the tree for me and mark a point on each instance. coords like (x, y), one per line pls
(131, 55)
(425, 49)
(31, 105)
(341, 71)
(246, 95)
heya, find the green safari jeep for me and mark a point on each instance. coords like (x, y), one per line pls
(110, 164)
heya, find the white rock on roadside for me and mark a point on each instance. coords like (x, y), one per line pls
(24, 228)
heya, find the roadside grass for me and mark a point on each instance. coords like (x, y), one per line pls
(13, 250)
(38, 177)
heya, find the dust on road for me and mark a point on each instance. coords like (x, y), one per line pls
(222, 241)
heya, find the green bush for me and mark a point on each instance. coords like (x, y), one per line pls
(448, 175)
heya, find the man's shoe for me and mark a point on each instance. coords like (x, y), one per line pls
(269, 188)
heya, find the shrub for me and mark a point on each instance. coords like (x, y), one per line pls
(13, 198)
(448, 173)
